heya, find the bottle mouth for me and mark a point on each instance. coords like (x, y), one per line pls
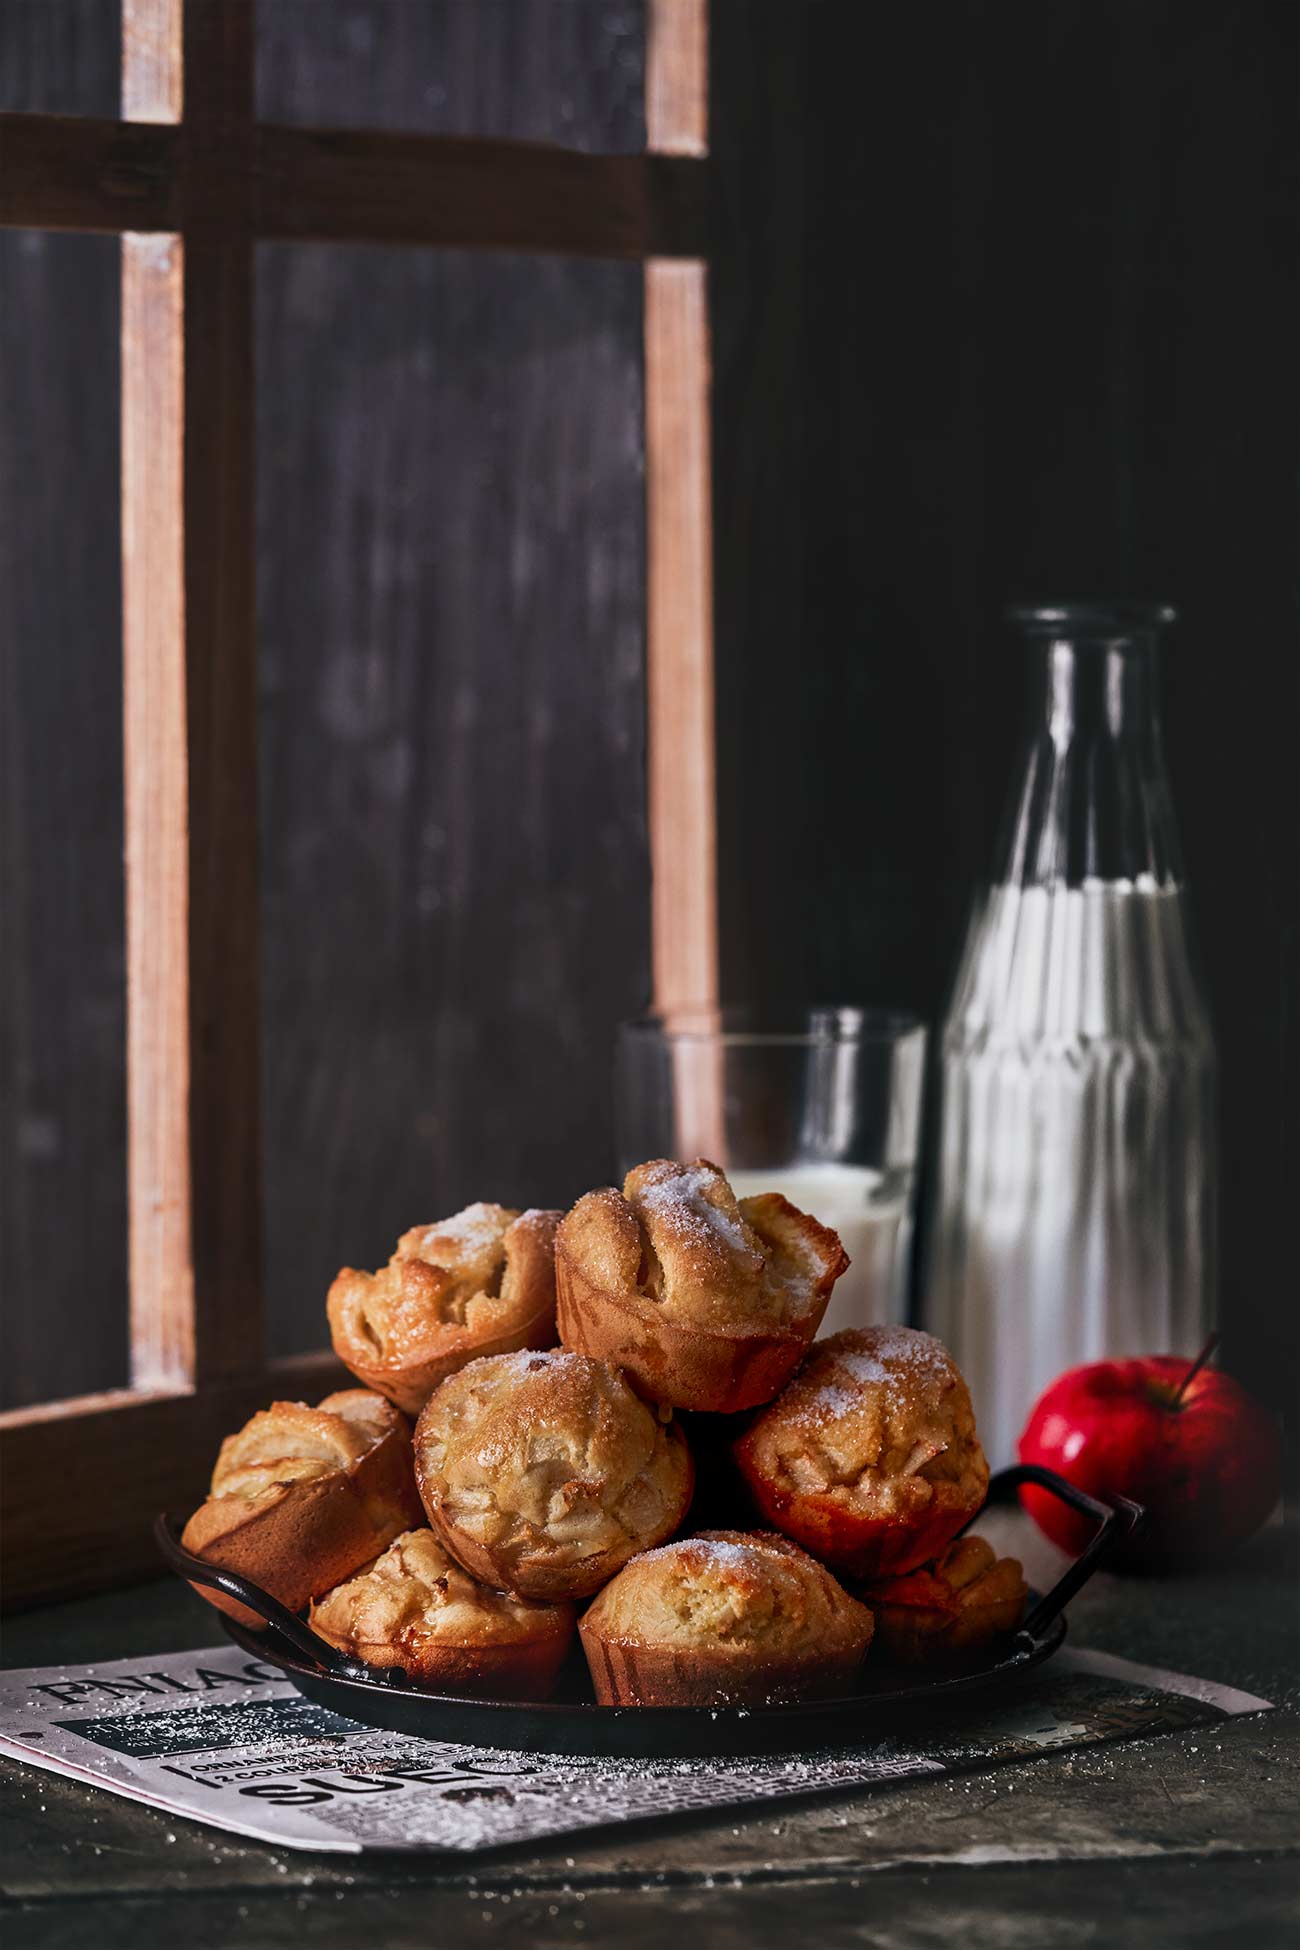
(814, 1028)
(1091, 618)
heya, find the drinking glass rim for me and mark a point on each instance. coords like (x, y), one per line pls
(844, 1025)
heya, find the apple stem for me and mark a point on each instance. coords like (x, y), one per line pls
(1195, 1369)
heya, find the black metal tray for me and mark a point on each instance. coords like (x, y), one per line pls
(571, 1722)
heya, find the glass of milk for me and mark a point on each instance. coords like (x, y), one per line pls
(824, 1106)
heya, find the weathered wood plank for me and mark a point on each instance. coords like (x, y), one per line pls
(152, 61)
(463, 193)
(1215, 1793)
(1156, 1904)
(677, 77)
(680, 733)
(156, 778)
(221, 743)
(191, 726)
(61, 57)
(218, 56)
(526, 70)
(72, 173)
(63, 173)
(679, 643)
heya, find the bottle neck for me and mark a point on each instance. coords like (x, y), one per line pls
(1093, 799)
(1102, 688)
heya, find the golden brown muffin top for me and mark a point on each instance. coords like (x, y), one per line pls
(471, 1272)
(548, 1451)
(877, 1417)
(290, 1442)
(732, 1591)
(416, 1591)
(678, 1236)
(968, 1576)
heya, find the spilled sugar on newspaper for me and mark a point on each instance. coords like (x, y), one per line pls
(219, 1738)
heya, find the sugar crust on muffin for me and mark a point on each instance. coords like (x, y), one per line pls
(544, 1472)
(415, 1607)
(725, 1616)
(707, 1300)
(870, 1456)
(479, 1282)
(301, 1497)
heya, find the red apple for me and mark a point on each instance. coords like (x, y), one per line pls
(1188, 1442)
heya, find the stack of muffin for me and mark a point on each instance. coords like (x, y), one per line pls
(544, 1478)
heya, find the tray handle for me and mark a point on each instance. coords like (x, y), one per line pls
(197, 1570)
(1115, 1520)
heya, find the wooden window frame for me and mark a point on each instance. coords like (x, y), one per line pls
(190, 181)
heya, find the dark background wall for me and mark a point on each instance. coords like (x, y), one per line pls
(1005, 304)
(1009, 308)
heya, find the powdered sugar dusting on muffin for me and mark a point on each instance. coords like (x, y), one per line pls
(830, 1401)
(739, 1614)
(724, 1553)
(909, 1347)
(875, 1470)
(527, 1360)
(681, 1200)
(543, 1472)
(469, 1231)
(895, 1358)
(864, 1367)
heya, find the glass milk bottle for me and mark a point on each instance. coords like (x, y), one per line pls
(1074, 1214)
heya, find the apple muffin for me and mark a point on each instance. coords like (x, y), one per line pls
(302, 1497)
(480, 1282)
(728, 1618)
(416, 1608)
(964, 1600)
(543, 1472)
(870, 1458)
(707, 1301)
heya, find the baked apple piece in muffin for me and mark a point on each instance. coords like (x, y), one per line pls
(728, 1618)
(480, 1282)
(870, 1458)
(707, 1301)
(965, 1600)
(543, 1473)
(415, 1608)
(302, 1497)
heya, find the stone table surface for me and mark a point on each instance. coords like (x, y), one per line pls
(1179, 1839)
